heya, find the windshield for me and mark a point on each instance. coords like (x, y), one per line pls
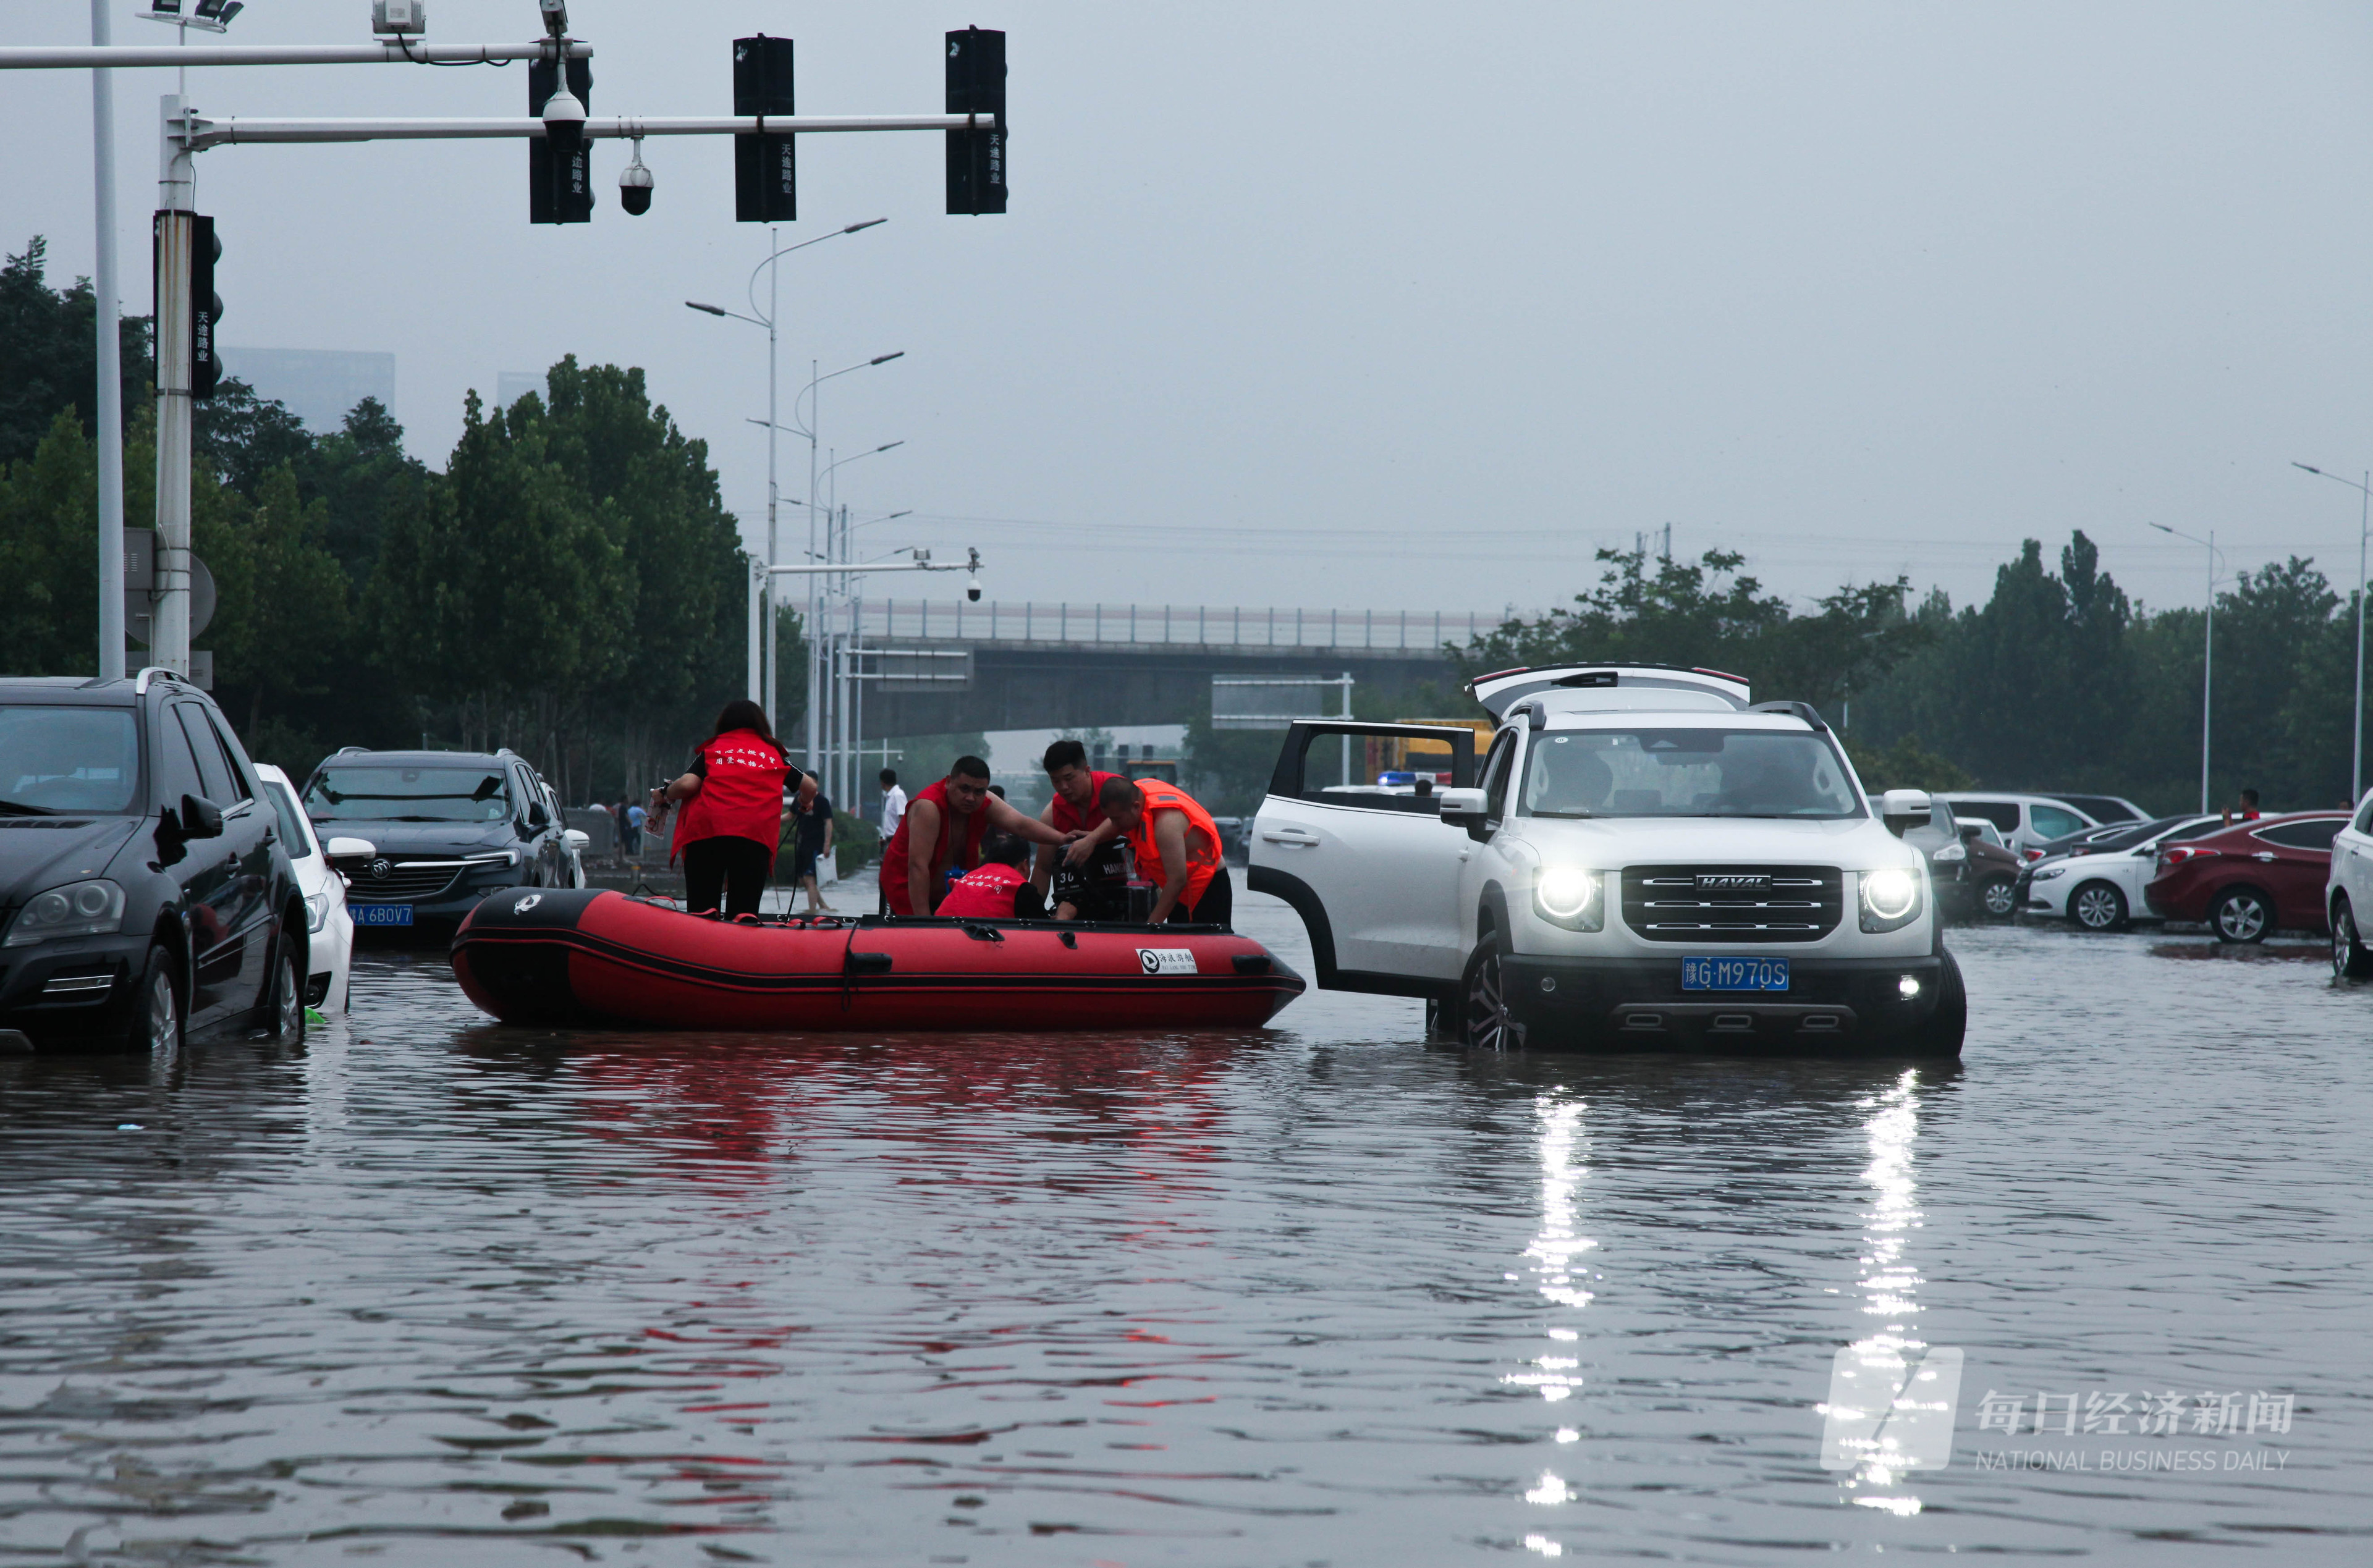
(67, 759)
(1685, 772)
(377, 792)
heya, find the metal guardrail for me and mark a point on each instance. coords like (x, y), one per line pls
(1191, 625)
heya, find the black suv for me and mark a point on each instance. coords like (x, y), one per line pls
(143, 889)
(449, 828)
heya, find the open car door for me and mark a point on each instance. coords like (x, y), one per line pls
(1371, 867)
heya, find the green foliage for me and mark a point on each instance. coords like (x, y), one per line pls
(1906, 764)
(1706, 614)
(49, 355)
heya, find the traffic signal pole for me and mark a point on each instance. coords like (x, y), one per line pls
(108, 360)
(184, 324)
(176, 226)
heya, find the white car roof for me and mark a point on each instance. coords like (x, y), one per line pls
(1610, 687)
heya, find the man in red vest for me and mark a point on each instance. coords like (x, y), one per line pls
(1079, 881)
(941, 830)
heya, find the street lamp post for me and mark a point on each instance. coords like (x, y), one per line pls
(2208, 650)
(762, 631)
(835, 643)
(2363, 526)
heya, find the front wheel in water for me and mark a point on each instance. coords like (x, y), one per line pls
(156, 1007)
(1484, 1023)
(2349, 958)
(2097, 906)
(1940, 1036)
(285, 1018)
(2240, 914)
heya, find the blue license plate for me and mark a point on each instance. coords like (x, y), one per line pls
(386, 914)
(1734, 974)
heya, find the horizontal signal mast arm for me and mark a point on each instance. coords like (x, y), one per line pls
(211, 132)
(81, 57)
(839, 570)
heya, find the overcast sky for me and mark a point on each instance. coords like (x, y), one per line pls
(1389, 305)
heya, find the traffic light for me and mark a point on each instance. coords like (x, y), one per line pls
(766, 165)
(559, 184)
(977, 86)
(205, 305)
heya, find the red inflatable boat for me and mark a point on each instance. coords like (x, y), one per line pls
(564, 955)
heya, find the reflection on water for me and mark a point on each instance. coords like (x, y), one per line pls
(435, 1291)
(1891, 1401)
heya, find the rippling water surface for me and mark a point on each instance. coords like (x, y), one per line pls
(433, 1291)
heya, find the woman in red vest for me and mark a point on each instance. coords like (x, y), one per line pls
(732, 820)
(942, 833)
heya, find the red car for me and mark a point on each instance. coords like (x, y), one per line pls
(2247, 879)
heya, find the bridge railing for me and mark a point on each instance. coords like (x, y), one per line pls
(893, 620)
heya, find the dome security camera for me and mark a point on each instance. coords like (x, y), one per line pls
(564, 121)
(972, 590)
(634, 184)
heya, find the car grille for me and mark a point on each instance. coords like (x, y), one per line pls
(402, 879)
(1794, 903)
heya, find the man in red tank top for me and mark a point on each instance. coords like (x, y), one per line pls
(1073, 810)
(941, 830)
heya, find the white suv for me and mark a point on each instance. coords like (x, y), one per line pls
(1649, 859)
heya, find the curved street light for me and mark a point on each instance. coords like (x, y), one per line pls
(2208, 649)
(2363, 526)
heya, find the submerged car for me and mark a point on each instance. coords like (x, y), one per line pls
(447, 829)
(2250, 879)
(330, 930)
(1644, 857)
(145, 893)
(2348, 894)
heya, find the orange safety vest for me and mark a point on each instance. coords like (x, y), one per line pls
(1204, 854)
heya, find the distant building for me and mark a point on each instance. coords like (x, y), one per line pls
(318, 386)
(510, 385)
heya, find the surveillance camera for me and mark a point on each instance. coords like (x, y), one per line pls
(556, 15)
(635, 185)
(972, 590)
(564, 121)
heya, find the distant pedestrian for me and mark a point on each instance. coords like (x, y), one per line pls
(732, 820)
(811, 815)
(632, 816)
(2245, 812)
(894, 802)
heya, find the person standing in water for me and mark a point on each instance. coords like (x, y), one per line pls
(732, 816)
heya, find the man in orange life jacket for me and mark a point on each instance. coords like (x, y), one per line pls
(1177, 847)
(941, 830)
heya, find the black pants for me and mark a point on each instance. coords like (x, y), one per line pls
(1217, 906)
(733, 866)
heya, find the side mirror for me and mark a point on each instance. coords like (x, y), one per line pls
(200, 817)
(350, 849)
(1904, 808)
(1972, 835)
(1461, 807)
(577, 839)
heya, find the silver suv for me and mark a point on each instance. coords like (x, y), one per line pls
(1644, 857)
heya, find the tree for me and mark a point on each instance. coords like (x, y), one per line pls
(287, 633)
(49, 356)
(49, 504)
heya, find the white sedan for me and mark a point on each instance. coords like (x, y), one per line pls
(333, 929)
(2102, 889)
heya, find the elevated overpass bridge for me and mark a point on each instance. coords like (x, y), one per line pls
(932, 667)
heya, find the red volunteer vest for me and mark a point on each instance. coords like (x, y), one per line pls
(985, 894)
(742, 796)
(1068, 817)
(943, 854)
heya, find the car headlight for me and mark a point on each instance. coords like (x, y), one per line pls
(79, 908)
(2045, 874)
(1951, 853)
(317, 910)
(1890, 897)
(1568, 896)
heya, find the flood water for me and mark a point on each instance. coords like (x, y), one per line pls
(433, 1291)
